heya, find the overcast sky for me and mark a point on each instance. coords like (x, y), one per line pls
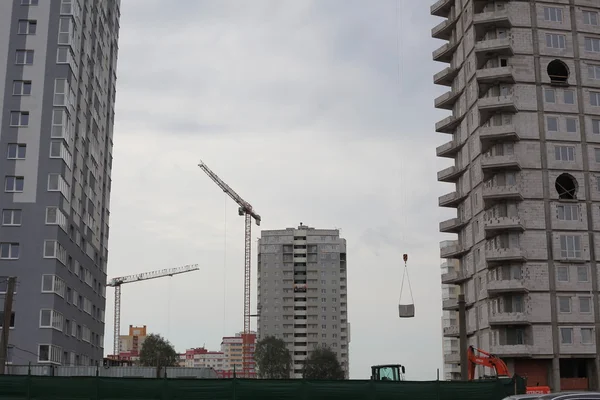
(314, 111)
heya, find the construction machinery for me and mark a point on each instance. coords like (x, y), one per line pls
(477, 357)
(246, 210)
(388, 372)
(117, 282)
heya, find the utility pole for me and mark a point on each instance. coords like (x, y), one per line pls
(8, 301)
(462, 332)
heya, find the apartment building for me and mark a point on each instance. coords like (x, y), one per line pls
(302, 291)
(203, 358)
(57, 85)
(231, 347)
(523, 82)
(450, 344)
(131, 344)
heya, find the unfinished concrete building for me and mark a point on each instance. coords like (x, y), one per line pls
(523, 82)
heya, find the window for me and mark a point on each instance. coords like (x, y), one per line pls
(587, 335)
(571, 125)
(16, 151)
(590, 17)
(585, 305)
(48, 352)
(592, 44)
(12, 319)
(53, 182)
(51, 319)
(65, 29)
(61, 89)
(566, 335)
(552, 123)
(24, 57)
(569, 97)
(19, 118)
(21, 88)
(11, 217)
(564, 304)
(562, 274)
(549, 96)
(53, 284)
(556, 41)
(570, 246)
(564, 153)
(26, 27)
(13, 184)
(567, 212)
(594, 72)
(596, 126)
(582, 273)
(553, 14)
(29, 2)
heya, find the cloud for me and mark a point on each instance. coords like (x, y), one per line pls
(299, 107)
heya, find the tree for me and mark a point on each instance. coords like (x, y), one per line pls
(322, 363)
(158, 352)
(273, 358)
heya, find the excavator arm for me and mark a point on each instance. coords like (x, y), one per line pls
(477, 356)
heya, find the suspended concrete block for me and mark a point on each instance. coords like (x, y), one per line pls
(406, 310)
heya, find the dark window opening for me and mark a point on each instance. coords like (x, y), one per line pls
(566, 186)
(558, 72)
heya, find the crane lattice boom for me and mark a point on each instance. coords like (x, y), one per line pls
(117, 282)
(247, 211)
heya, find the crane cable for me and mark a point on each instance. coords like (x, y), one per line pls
(405, 276)
(225, 269)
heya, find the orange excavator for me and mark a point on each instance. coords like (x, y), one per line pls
(477, 356)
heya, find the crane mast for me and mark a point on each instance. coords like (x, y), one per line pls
(245, 209)
(117, 282)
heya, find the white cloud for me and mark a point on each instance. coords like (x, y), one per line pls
(294, 105)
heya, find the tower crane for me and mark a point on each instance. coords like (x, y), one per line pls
(248, 212)
(117, 282)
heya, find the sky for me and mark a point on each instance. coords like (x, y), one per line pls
(314, 111)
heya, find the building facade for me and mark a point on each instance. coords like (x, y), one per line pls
(57, 93)
(302, 291)
(450, 347)
(231, 347)
(131, 344)
(523, 82)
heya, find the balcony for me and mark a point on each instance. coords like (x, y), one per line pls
(446, 76)
(490, 164)
(445, 52)
(449, 149)
(493, 76)
(498, 287)
(442, 8)
(450, 305)
(455, 277)
(511, 350)
(450, 174)
(495, 225)
(509, 318)
(496, 104)
(452, 250)
(486, 49)
(490, 135)
(448, 124)
(452, 225)
(443, 30)
(452, 358)
(451, 331)
(451, 200)
(497, 19)
(493, 193)
(448, 99)
(505, 255)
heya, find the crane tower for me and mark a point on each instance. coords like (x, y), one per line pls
(246, 210)
(117, 282)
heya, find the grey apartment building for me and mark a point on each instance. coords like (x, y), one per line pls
(523, 89)
(57, 92)
(302, 291)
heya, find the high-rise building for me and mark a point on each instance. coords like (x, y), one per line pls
(231, 347)
(523, 82)
(302, 291)
(57, 94)
(130, 345)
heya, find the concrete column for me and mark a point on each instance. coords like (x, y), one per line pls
(555, 375)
